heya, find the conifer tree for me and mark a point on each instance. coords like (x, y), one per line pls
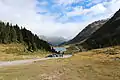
(12, 33)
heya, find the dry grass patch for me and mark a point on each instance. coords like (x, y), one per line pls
(82, 66)
(10, 52)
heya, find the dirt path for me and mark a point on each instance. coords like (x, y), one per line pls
(18, 62)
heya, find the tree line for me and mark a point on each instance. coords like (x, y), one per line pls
(14, 34)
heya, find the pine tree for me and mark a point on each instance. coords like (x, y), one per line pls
(34, 47)
(10, 33)
(19, 34)
(20, 37)
(1, 31)
(13, 35)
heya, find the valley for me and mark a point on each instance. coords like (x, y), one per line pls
(60, 40)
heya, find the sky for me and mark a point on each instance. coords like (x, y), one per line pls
(62, 18)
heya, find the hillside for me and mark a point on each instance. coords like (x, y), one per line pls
(14, 34)
(107, 35)
(55, 41)
(16, 51)
(87, 32)
(104, 34)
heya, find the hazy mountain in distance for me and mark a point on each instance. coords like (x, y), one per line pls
(55, 41)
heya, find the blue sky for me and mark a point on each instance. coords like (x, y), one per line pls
(64, 18)
(61, 8)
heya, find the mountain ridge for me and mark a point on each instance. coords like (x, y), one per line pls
(87, 31)
(108, 34)
(54, 41)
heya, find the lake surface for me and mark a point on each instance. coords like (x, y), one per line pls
(61, 49)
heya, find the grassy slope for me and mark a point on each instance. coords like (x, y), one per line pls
(92, 65)
(16, 52)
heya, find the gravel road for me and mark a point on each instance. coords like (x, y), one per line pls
(19, 62)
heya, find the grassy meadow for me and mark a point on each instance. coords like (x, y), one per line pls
(14, 51)
(99, 64)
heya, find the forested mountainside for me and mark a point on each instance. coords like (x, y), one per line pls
(107, 35)
(87, 32)
(14, 34)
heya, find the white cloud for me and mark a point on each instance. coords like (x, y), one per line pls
(24, 13)
(112, 6)
(77, 11)
(98, 11)
(100, 8)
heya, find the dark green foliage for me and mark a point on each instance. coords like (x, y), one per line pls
(19, 33)
(13, 34)
(10, 33)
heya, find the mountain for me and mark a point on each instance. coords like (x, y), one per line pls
(55, 41)
(107, 34)
(14, 34)
(87, 32)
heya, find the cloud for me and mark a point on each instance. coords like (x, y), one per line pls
(97, 9)
(51, 18)
(23, 12)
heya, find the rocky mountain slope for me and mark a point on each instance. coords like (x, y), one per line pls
(107, 35)
(87, 32)
(99, 34)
